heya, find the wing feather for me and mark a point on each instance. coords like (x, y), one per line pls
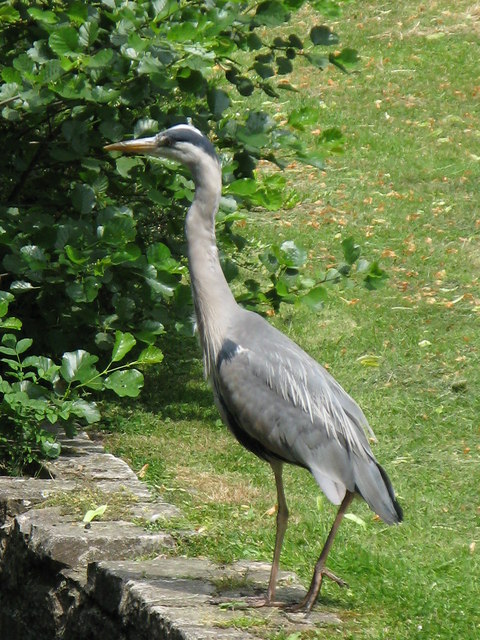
(257, 355)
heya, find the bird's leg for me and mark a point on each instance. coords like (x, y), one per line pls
(282, 521)
(320, 570)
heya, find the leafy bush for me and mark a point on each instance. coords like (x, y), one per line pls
(37, 392)
(93, 246)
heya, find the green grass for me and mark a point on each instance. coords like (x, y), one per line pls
(407, 190)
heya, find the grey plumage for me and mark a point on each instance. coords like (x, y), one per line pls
(296, 412)
(278, 401)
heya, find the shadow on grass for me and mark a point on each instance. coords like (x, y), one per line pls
(175, 389)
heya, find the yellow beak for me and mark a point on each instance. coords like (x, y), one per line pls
(142, 146)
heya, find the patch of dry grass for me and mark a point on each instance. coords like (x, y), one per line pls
(225, 488)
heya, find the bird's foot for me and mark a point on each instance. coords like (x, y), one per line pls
(334, 578)
(312, 594)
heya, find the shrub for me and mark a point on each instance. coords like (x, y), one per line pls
(92, 247)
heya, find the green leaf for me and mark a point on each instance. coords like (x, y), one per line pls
(191, 81)
(344, 60)
(43, 15)
(124, 342)
(232, 75)
(125, 164)
(130, 253)
(333, 275)
(50, 71)
(351, 250)
(315, 298)
(375, 277)
(77, 256)
(150, 329)
(9, 340)
(318, 60)
(369, 360)
(264, 70)
(329, 8)
(83, 198)
(356, 519)
(243, 187)
(150, 355)
(164, 283)
(323, 35)
(125, 383)
(281, 288)
(363, 265)
(145, 127)
(9, 351)
(348, 56)
(91, 514)
(271, 13)
(332, 134)
(159, 255)
(12, 78)
(280, 43)
(5, 299)
(23, 345)
(76, 291)
(86, 410)
(88, 33)
(11, 324)
(218, 101)
(116, 228)
(101, 59)
(35, 256)
(64, 41)
(46, 368)
(292, 254)
(8, 13)
(77, 11)
(76, 365)
(269, 90)
(50, 448)
(182, 32)
(20, 286)
(314, 158)
(304, 117)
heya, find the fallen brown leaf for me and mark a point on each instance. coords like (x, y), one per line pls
(143, 471)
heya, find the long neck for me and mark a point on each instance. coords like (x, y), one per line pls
(214, 302)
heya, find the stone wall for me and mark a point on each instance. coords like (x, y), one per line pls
(60, 578)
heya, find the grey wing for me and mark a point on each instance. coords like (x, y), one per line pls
(281, 404)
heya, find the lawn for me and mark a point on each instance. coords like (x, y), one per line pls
(406, 189)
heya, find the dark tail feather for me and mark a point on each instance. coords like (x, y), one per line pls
(373, 484)
(391, 493)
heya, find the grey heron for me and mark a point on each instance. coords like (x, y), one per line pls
(277, 401)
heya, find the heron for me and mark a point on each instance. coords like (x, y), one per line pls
(277, 401)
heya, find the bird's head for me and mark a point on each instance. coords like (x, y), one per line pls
(182, 143)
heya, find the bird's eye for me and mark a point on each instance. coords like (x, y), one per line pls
(164, 141)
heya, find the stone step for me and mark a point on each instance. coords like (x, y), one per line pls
(191, 598)
(62, 578)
